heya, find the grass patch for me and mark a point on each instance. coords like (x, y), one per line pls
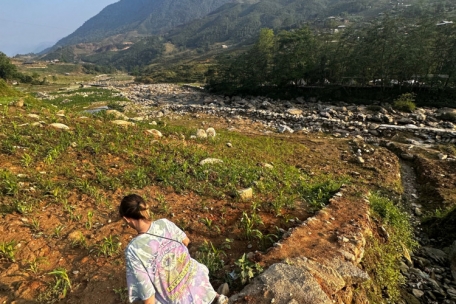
(382, 256)
(405, 102)
(80, 98)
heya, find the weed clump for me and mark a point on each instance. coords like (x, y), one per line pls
(382, 256)
(405, 102)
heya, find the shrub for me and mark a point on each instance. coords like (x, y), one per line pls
(405, 102)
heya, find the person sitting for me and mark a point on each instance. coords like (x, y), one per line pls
(158, 265)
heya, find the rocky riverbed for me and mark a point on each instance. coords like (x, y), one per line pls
(297, 115)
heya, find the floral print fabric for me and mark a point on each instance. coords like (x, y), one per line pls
(176, 277)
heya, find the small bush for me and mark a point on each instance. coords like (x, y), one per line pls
(405, 102)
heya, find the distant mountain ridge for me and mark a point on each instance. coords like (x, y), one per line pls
(199, 25)
(146, 17)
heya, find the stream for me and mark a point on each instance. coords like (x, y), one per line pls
(428, 274)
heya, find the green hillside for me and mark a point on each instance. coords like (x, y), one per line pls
(5, 90)
(234, 23)
(145, 17)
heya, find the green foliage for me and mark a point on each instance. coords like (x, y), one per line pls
(109, 246)
(5, 90)
(8, 250)
(62, 283)
(405, 103)
(212, 256)
(249, 226)
(381, 259)
(122, 292)
(8, 71)
(140, 54)
(387, 53)
(247, 269)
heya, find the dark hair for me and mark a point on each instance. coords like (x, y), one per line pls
(133, 206)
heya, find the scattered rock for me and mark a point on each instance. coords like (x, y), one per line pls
(123, 123)
(407, 156)
(223, 289)
(19, 103)
(59, 126)
(442, 156)
(294, 111)
(155, 133)
(36, 116)
(210, 132)
(245, 194)
(284, 129)
(117, 114)
(201, 134)
(266, 165)
(210, 161)
(418, 211)
(417, 293)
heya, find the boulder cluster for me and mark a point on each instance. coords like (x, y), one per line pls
(429, 125)
(429, 279)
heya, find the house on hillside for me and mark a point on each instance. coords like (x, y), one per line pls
(444, 22)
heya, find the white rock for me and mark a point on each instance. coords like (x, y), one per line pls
(59, 126)
(442, 156)
(200, 133)
(210, 161)
(123, 123)
(155, 133)
(117, 114)
(294, 111)
(245, 194)
(284, 129)
(36, 116)
(210, 132)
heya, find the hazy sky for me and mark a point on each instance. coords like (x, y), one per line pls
(26, 25)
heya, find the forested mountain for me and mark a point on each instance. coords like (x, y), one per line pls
(164, 28)
(145, 17)
(235, 22)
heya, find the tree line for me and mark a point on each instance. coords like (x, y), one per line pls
(387, 52)
(9, 72)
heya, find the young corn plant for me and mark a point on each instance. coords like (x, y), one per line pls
(207, 221)
(62, 283)
(80, 241)
(122, 292)
(35, 225)
(34, 264)
(163, 205)
(249, 224)
(8, 250)
(89, 223)
(109, 246)
(58, 231)
(211, 256)
(26, 160)
(22, 207)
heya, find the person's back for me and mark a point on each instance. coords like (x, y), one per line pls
(176, 277)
